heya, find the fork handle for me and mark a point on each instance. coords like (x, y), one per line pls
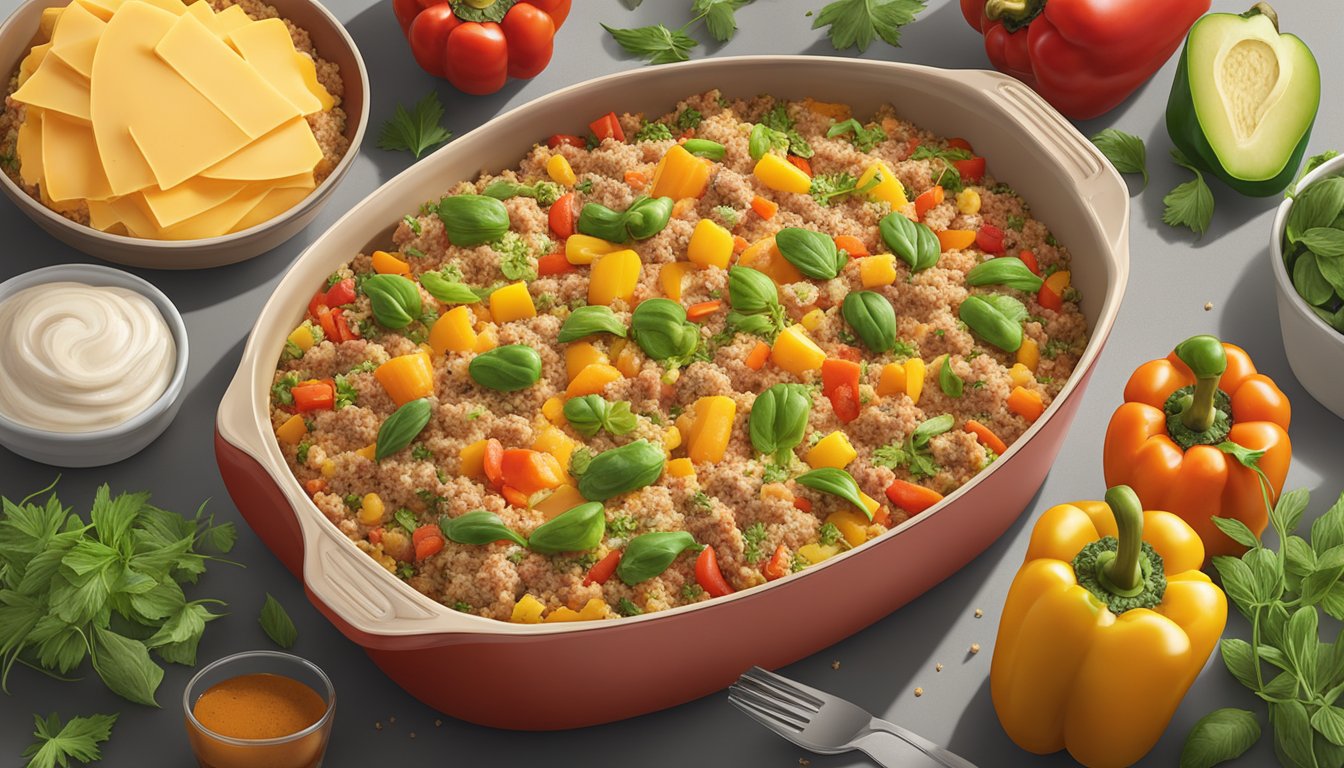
(883, 732)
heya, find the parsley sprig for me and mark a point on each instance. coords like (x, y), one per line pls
(914, 453)
(77, 740)
(826, 187)
(415, 131)
(661, 45)
(854, 23)
(949, 178)
(1189, 204)
(1125, 151)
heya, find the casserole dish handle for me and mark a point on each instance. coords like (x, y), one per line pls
(1093, 176)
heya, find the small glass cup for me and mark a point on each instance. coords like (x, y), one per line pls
(303, 749)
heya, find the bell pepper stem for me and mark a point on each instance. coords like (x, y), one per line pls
(1122, 572)
(1207, 359)
(1266, 10)
(1013, 10)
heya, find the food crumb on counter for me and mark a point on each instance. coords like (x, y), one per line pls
(412, 734)
(919, 692)
(979, 613)
(804, 761)
(835, 664)
(938, 667)
(1208, 306)
(975, 648)
(438, 723)
(377, 726)
(392, 719)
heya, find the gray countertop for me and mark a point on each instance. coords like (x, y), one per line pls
(1173, 277)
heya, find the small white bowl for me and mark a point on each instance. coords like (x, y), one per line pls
(104, 446)
(1315, 350)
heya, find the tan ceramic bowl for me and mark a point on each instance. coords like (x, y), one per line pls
(332, 42)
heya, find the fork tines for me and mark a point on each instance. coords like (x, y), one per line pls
(766, 696)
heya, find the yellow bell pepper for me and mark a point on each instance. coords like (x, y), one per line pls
(680, 468)
(1095, 650)
(888, 188)
(1029, 354)
(671, 276)
(471, 459)
(560, 171)
(292, 431)
(555, 442)
(527, 610)
(580, 355)
(512, 302)
(1058, 282)
(892, 380)
(812, 320)
(710, 428)
(487, 338)
(968, 201)
(710, 245)
(1020, 375)
(764, 256)
(371, 509)
(613, 277)
(833, 450)
(302, 337)
(851, 523)
(795, 352)
(680, 175)
(671, 438)
(594, 609)
(385, 263)
(406, 377)
(453, 331)
(592, 380)
(584, 249)
(837, 112)
(554, 410)
(915, 370)
(877, 270)
(815, 553)
(626, 360)
(560, 501)
(780, 175)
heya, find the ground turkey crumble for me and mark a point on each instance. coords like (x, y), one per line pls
(730, 505)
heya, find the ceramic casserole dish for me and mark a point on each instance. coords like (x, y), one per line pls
(473, 668)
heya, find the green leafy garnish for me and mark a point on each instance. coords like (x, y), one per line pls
(346, 395)
(854, 23)
(752, 538)
(719, 16)
(863, 139)
(656, 43)
(689, 119)
(590, 414)
(1125, 151)
(727, 214)
(78, 740)
(417, 130)
(1312, 164)
(828, 186)
(277, 624)
(914, 454)
(1189, 204)
(653, 132)
(949, 178)
(515, 257)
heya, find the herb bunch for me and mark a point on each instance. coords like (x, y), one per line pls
(109, 589)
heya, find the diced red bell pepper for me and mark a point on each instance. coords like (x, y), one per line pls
(376, 536)
(801, 163)
(959, 143)
(779, 565)
(326, 322)
(428, 540)
(315, 486)
(972, 170)
(1047, 298)
(528, 471)
(566, 139)
(1029, 259)
(342, 293)
(603, 569)
(607, 127)
(840, 383)
(343, 332)
(562, 216)
(989, 238)
(494, 459)
(708, 575)
(314, 396)
(319, 300)
(554, 264)
(514, 497)
(803, 505)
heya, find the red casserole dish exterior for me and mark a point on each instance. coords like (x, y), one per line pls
(470, 667)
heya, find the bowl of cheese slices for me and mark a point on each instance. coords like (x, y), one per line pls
(172, 135)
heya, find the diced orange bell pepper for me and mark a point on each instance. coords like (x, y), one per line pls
(930, 199)
(1026, 403)
(406, 377)
(530, 471)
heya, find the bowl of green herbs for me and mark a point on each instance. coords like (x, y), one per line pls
(1307, 248)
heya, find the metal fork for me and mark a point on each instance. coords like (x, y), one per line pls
(827, 724)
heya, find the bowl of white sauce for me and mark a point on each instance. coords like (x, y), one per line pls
(92, 364)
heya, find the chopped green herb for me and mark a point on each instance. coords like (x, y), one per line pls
(914, 452)
(515, 257)
(775, 473)
(903, 348)
(516, 556)
(405, 570)
(828, 534)
(653, 132)
(353, 501)
(753, 537)
(579, 461)
(949, 178)
(368, 366)
(690, 117)
(280, 390)
(417, 130)
(475, 413)
(420, 453)
(622, 526)
(727, 214)
(463, 607)
(406, 519)
(301, 452)
(691, 592)
(828, 186)
(413, 252)
(412, 222)
(1016, 223)
(584, 186)
(863, 139)
(797, 563)
(346, 395)
(701, 499)
(627, 608)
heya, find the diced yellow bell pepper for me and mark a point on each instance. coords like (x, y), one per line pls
(869, 503)
(680, 468)
(837, 112)
(671, 275)
(892, 380)
(833, 450)
(614, 276)
(593, 610)
(710, 245)
(584, 249)
(813, 319)
(1020, 375)
(780, 175)
(302, 337)
(555, 442)
(385, 263)
(471, 460)
(487, 338)
(968, 201)
(406, 377)
(795, 352)
(627, 362)
(512, 302)
(764, 256)
(680, 174)
(527, 610)
(914, 378)
(559, 501)
(878, 269)
(592, 380)
(453, 331)
(580, 355)
(888, 189)
(708, 438)
(292, 431)
(1058, 282)
(369, 452)
(1029, 354)
(563, 613)
(371, 509)
(815, 553)
(560, 171)
(672, 438)
(554, 410)
(328, 468)
(852, 523)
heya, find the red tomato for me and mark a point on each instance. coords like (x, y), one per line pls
(708, 575)
(604, 568)
(779, 565)
(959, 143)
(989, 238)
(607, 127)
(562, 216)
(972, 170)
(568, 139)
(530, 34)
(342, 293)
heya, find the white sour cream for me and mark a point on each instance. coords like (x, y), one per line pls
(80, 358)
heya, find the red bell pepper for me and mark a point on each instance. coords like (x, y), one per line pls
(428, 540)
(554, 264)
(562, 216)
(342, 293)
(478, 45)
(607, 127)
(1082, 56)
(566, 139)
(708, 575)
(989, 238)
(314, 396)
(779, 565)
(603, 569)
(840, 383)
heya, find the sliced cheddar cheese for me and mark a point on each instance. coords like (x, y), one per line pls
(29, 148)
(76, 38)
(188, 199)
(276, 202)
(288, 150)
(55, 87)
(71, 166)
(266, 45)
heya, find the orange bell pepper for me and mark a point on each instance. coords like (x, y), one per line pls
(1201, 434)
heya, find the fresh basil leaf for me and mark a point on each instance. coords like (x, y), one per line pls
(590, 320)
(276, 623)
(590, 413)
(1302, 642)
(1310, 284)
(1125, 151)
(863, 139)
(872, 318)
(1316, 206)
(1239, 661)
(813, 253)
(575, 530)
(395, 300)
(125, 666)
(406, 519)
(836, 482)
(660, 328)
(1221, 735)
(1267, 572)
(1313, 162)
(402, 427)
(751, 291)
(1324, 575)
(621, 470)
(995, 318)
(1292, 730)
(948, 380)
(471, 220)
(931, 428)
(478, 527)
(1008, 271)
(76, 740)
(719, 16)
(509, 368)
(446, 290)
(1324, 241)
(912, 241)
(655, 43)
(1189, 204)
(649, 554)
(1237, 531)
(778, 420)
(1237, 581)
(1327, 531)
(1329, 722)
(705, 148)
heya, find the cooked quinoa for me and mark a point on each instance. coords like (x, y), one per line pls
(747, 507)
(328, 126)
